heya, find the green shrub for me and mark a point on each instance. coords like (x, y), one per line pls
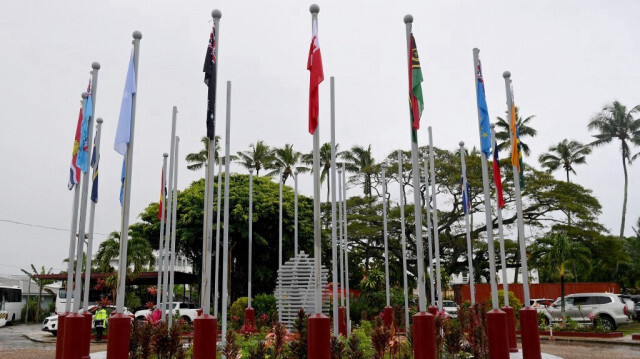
(238, 307)
(264, 304)
(131, 301)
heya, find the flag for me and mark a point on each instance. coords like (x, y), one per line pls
(74, 171)
(497, 179)
(123, 132)
(82, 160)
(485, 131)
(316, 76)
(466, 196)
(163, 193)
(210, 73)
(95, 158)
(415, 89)
(516, 147)
(122, 177)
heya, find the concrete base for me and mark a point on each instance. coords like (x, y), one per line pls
(319, 337)
(60, 337)
(342, 321)
(204, 337)
(424, 339)
(74, 335)
(119, 336)
(250, 320)
(529, 333)
(387, 315)
(511, 329)
(497, 333)
(433, 310)
(86, 332)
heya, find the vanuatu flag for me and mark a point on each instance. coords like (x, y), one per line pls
(95, 158)
(74, 172)
(163, 191)
(516, 147)
(497, 179)
(415, 89)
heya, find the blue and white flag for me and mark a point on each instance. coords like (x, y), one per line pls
(123, 132)
(485, 130)
(82, 160)
(122, 176)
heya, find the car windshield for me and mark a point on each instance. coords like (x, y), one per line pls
(448, 303)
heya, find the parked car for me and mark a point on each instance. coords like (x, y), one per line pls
(584, 307)
(540, 303)
(636, 300)
(50, 323)
(631, 305)
(450, 307)
(188, 312)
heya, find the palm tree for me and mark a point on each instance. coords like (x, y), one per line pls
(614, 122)
(285, 159)
(40, 282)
(325, 163)
(198, 159)
(139, 253)
(258, 157)
(524, 129)
(359, 160)
(556, 252)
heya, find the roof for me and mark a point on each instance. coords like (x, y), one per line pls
(142, 278)
(22, 281)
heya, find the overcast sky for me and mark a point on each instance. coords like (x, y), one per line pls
(567, 58)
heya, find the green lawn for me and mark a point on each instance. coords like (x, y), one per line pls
(630, 329)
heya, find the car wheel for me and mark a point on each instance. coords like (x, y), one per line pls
(546, 321)
(607, 322)
(186, 319)
(141, 318)
(55, 333)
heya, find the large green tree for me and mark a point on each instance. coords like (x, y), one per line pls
(139, 253)
(615, 122)
(41, 283)
(325, 163)
(359, 161)
(286, 160)
(258, 157)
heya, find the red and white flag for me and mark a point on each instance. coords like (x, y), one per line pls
(316, 76)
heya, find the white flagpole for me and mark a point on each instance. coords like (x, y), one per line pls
(404, 244)
(503, 258)
(436, 235)
(205, 236)
(126, 196)
(340, 247)
(167, 233)
(384, 228)
(487, 204)
(92, 213)
(345, 246)
(85, 192)
(225, 249)
(250, 233)
(429, 228)
(217, 246)
(334, 244)
(518, 195)
(280, 175)
(173, 234)
(467, 227)
(295, 214)
(160, 263)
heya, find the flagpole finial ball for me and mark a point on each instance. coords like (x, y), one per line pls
(476, 50)
(165, 155)
(383, 166)
(408, 19)
(99, 120)
(295, 173)
(95, 65)
(493, 125)
(250, 170)
(84, 95)
(461, 143)
(216, 14)
(314, 9)
(137, 35)
(506, 74)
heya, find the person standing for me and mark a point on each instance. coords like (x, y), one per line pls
(100, 322)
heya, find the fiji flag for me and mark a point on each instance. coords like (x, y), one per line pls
(82, 160)
(483, 111)
(95, 158)
(466, 196)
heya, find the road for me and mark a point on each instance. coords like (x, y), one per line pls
(581, 350)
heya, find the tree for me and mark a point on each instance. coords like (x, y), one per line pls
(198, 159)
(286, 159)
(258, 157)
(359, 160)
(524, 129)
(40, 282)
(553, 253)
(139, 252)
(614, 122)
(325, 163)
(565, 154)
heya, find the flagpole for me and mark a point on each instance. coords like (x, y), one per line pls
(503, 258)
(92, 214)
(466, 221)
(404, 244)
(217, 265)
(334, 244)
(161, 240)
(436, 235)
(388, 310)
(167, 235)
(205, 235)
(85, 192)
(295, 213)
(225, 245)
(345, 248)
(429, 235)
(280, 175)
(340, 235)
(173, 234)
(250, 233)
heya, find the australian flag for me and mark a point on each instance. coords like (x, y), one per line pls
(466, 196)
(210, 70)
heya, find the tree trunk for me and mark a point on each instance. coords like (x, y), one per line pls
(517, 267)
(328, 186)
(624, 203)
(38, 308)
(568, 212)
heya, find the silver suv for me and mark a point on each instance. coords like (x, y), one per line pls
(584, 307)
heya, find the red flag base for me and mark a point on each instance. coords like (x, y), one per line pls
(342, 321)
(60, 335)
(249, 320)
(73, 336)
(86, 340)
(511, 329)
(119, 335)
(529, 333)
(433, 310)
(205, 336)
(387, 315)
(424, 338)
(497, 333)
(319, 337)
